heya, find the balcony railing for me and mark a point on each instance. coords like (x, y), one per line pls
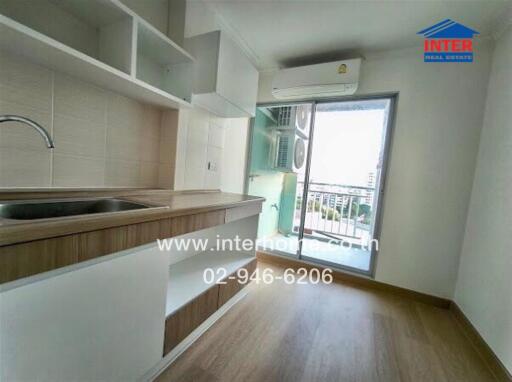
(336, 210)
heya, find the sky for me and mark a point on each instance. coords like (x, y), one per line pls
(346, 146)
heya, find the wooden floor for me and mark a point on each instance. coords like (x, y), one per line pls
(331, 332)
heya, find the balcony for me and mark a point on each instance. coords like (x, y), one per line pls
(336, 211)
(337, 225)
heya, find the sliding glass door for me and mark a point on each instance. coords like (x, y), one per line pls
(321, 167)
(344, 183)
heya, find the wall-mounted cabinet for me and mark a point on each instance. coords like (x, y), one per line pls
(225, 81)
(102, 42)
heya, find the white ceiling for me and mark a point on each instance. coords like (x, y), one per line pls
(298, 32)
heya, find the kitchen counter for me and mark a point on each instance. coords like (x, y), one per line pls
(164, 203)
(29, 247)
(104, 275)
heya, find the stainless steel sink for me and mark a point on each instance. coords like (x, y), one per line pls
(44, 209)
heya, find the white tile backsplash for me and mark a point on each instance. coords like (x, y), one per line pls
(149, 149)
(216, 136)
(195, 167)
(122, 143)
(76, 136)
(213, 171)
(152, 122)
(125, 112)
(148, 173)
(24, 168)
(102, 139)
(198, 127)
(25, 84)
(166, 175)
(121, 173)
(79, 99)
(167, 151)
(78, 171)
(205, 143)
(23, 137)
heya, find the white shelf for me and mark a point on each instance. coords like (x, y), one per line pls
(162, 63)
(186, 277)
(94, 12)
(155, 44)
(96, 41)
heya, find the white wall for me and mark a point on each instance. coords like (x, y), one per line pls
(439, 118)
(234, 156)
(205, 143)
(484, 286)
(205, 139)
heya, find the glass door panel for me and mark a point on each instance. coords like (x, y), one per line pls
(277, 164)
(343, 189)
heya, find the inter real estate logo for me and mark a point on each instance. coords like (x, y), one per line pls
(448, 41)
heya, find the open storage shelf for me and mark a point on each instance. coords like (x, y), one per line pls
(186, 280)
(99, 41)
(162, 63)
(90, 27)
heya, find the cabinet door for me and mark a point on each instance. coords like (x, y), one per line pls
(234, 285)
(183, 322)
(237, 78)
(101, 322)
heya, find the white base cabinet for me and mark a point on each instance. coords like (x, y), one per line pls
(112, 318)
(103, 321)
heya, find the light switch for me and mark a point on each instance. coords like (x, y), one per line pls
(212, 166)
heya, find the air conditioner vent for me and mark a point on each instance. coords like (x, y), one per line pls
(283, 146)
(284, 116)
(292, 117)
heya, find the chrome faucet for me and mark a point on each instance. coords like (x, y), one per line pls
(40, 129)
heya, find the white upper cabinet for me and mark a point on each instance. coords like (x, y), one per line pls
(102, 42)
(225, 81)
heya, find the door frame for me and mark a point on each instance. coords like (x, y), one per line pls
(382, 181)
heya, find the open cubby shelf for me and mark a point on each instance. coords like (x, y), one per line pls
(186, 280)
(163, 64)
(102, 42)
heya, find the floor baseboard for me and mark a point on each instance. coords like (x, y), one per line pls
(484, 350)
(364, 282)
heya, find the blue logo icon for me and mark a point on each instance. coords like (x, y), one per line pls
(448, 41)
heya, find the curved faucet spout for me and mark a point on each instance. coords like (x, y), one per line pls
(40, 129)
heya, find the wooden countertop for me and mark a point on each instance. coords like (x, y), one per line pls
(164, 204)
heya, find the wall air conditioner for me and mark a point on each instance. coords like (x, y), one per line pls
(293, 118)
(289, 151)
(315, 81)
(290, 134)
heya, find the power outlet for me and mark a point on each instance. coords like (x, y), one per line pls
(212, 166)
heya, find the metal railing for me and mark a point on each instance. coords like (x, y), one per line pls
(336, 210)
